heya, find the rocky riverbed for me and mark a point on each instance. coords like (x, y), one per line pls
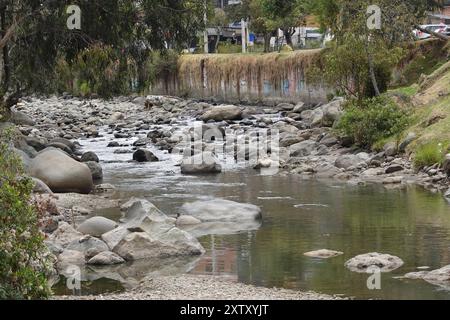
(283, 140)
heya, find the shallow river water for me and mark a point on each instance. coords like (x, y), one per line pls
(298, 216)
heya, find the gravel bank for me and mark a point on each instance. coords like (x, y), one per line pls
(186, 287)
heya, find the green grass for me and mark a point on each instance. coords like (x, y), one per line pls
(408, 91)
(429, 154)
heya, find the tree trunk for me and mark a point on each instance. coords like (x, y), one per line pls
(5, 52)
(288, 36)
(373, 77)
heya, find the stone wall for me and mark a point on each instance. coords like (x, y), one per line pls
(253, 78)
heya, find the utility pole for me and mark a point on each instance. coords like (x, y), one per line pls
(205, 34)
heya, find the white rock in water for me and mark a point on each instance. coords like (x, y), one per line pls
(367, 263)
(221, 210)
(323, 254)
(439, 275)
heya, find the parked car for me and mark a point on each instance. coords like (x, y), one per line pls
(438, 28)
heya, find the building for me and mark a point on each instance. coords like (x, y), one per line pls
(442, 15)
(224, 3)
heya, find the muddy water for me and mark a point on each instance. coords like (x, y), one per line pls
(299, 216)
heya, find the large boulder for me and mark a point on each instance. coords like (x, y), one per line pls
(221, 113)
(221, 210)
(202, 163)
(141, 245)
(147, 233)
(61, 173)
(368, 263)
(97, 226)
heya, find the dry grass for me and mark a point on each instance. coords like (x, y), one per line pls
(227, 71)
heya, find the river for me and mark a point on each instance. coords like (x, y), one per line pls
(298, 216)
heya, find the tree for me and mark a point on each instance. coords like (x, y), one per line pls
(285, 15)
(347, 21)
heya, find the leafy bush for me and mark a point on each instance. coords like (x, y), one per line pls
(428, 154)
(23, 262)
(372, 120)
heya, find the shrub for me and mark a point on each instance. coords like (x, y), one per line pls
(372, 120)
(23, 262)
(428, 154)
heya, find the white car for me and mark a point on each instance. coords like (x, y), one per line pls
(438, 28)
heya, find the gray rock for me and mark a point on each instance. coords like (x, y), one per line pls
(89, 157)
(367, 263)
(203, 163)
(67, 142)
(323, 254)
(186, 220)
(96, 170)
(221, 210)
(439, 275)
(20, 118)
(290, 139)
(60, 146)
(64, 235)
(140, 245)
(347, 161)
(394, 168)
(70, 258)
(40, 187)
(61, 173)
(416, 275)
(220, 113)
(332, 112)
(106, 258)
(390, 149)
(97, 226)
(37, 144)
(446, 165)
(143, 155)
(113, 237)
(302, 149)
(88, 245)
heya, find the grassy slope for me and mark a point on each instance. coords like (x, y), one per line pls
(431, 108)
